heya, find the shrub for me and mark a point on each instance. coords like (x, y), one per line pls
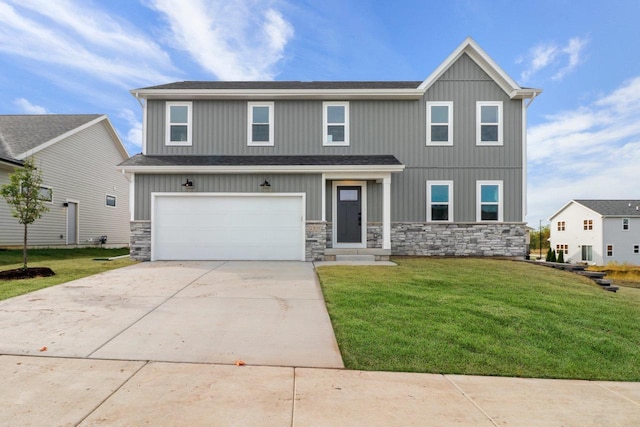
(561, 256)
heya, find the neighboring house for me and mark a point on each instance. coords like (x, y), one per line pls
(77, 156)
(597, 231)
(308, 170)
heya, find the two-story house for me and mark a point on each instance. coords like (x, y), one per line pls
(295, 170)
(597, 231)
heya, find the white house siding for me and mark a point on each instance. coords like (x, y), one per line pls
(575, 236)
(623, 241)
(81, 168)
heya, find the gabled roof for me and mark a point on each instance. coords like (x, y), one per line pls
(309, 163)
(484, 61)
(607, 208)
(335, 90)
(24, 135)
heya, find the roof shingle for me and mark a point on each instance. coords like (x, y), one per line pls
(613, 207)
(286, 85)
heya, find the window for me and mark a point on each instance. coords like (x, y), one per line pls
(439, 123)
(636, 249)
(178, 131)
(563, 248)
(489, 123)
(587, 224)
(260, 130)
(561, 225)
(489, 201)
(609, 250)
(587, 253)
(111, 201)
(625, 223)
(440, 201)
(335, 123)
(45, 193)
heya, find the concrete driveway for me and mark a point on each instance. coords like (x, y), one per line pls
(263, 313)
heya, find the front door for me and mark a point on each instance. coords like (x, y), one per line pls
(349, 214)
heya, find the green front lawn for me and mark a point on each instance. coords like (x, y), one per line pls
(68, 264)
(482, 317)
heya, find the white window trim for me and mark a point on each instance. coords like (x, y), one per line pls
(114, 198)
(250, 123)
(450, 203)
(479, 105)
(325, 124)
(628, 224)
(634, 248)
(606, 250)
(449, 141)
(49, 202)
(479, 185)
(168, 141)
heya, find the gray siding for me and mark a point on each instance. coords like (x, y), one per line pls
(82, 168)
(232, 183)
(380, 127)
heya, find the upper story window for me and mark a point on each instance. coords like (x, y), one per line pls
(440, 201)
(625, 223)
(489, 201)
(439, 123)
(260, 130)
(178, 118)
(489, 123)
(561, 225)
(587, 224)
(335, 123)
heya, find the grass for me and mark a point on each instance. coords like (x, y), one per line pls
(68, 264)
(482, 317)
(621, 274)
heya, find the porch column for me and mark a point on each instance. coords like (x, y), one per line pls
(386, 212)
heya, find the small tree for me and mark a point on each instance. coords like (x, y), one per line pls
(23, 196)
(549, 255)
(561, 256)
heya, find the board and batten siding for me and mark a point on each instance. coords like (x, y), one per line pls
(81, 167)
(311, 184)
(396, 127)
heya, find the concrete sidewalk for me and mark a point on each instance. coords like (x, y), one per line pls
(55, 392)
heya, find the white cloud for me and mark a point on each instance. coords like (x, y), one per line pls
(590, 152)
(28, 108)
(561, 60)
(133, 137)
(69, 34)
(234, 40)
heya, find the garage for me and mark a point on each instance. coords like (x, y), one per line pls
(223, 226)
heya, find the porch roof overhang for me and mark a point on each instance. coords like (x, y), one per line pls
(262, 164)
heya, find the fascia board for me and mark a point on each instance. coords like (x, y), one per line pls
(484, 61)
(259, 94)
(561, 209)
(261, 169)
(59, 138)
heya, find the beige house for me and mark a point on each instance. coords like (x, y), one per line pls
(87, 197)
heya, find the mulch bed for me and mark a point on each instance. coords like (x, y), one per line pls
(29, 273)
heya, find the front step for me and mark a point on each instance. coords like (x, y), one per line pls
(358, 258)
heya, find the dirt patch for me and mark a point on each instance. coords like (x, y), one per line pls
(29, 273)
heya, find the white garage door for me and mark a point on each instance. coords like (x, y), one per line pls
(228, 227)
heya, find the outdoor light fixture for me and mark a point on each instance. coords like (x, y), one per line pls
(265, 184)
(188, 183)
(65, 204)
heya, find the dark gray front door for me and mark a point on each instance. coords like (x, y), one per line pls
(349, 212)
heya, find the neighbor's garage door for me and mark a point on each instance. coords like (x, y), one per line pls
(228, 227)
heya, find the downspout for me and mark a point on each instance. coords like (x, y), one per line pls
(524, 154)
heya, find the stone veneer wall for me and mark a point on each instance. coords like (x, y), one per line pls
(467, 239)
(315, 241)
(140, 246)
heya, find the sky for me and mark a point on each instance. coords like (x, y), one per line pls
(84, 56)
